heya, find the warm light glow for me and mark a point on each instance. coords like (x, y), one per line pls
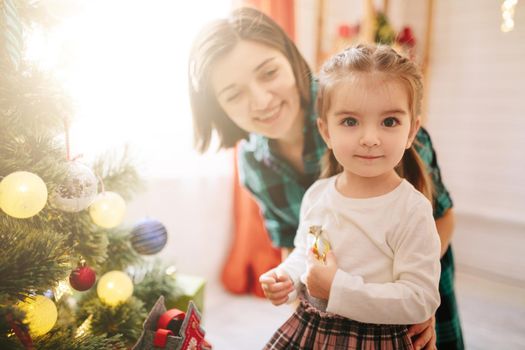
(62, 289)
(507, 13)
(114, 287)
(124, 64)
(41, 314)
(171, 270)
(22, 194)
(108, 209)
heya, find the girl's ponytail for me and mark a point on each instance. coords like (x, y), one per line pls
(329, 165)
(414, 170)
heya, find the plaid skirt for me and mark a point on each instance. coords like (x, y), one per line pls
(309, 328)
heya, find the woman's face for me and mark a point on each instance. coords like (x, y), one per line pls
(255, 86)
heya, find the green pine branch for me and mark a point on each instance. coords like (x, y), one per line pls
(125, 319)
(31, 102)
(33, 259)
(156, 282)
(38, 252)
(121, 253)
(66, 340)
(119, 174)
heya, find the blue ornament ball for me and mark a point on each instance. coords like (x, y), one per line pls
(148, 237)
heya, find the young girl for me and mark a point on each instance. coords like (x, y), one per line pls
(367, 249)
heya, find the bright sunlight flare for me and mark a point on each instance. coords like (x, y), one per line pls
(124, 65)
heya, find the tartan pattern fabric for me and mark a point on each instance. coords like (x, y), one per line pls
(448, 326)
(309, 328)
(277, 187)
(442, 200)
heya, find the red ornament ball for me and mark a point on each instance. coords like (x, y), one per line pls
(82, 278)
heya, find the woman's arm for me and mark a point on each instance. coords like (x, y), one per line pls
(445, 226)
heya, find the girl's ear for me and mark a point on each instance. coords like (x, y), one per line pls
(413, 131)
(323, 130)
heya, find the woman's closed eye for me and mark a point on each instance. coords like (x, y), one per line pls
(269, 73)
(390, 122)
(233, 97)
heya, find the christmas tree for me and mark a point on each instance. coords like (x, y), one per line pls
(61, 220)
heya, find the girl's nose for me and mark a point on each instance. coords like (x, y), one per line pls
(369, 138)
(260, 97)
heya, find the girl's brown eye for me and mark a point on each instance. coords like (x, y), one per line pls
(349, 122)
(390, 122)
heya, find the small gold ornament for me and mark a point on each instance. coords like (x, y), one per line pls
(320, 246)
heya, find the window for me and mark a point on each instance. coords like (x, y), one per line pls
(124, 64)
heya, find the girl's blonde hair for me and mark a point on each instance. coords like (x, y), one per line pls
(381, 59)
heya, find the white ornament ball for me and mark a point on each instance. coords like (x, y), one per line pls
(22, 194)
(78, 190)
(108, 209)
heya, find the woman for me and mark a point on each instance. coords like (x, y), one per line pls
(249, 82)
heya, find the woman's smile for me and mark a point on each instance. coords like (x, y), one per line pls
(270, 115)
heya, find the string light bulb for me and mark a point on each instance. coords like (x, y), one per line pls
(41, 314)
(114, 287)
(22, 194)
(507, 14)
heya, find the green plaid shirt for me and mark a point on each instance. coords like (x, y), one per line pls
(279, 189)
(277, 186)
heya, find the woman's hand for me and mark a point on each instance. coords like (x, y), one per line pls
(319, 275)
(423, 335)
(276, 286)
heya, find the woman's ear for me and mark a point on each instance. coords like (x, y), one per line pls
(323, 130)
(414, 128)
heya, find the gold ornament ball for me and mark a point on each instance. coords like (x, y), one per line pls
(108, 209)
(22, 194)
(114, 287)
(41, 314)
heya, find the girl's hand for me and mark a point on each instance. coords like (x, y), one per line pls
(276, 286)
(319, 275)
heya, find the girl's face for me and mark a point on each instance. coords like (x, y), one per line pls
(255, 86)
(368, 124)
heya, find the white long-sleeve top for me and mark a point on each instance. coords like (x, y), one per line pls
(387, 251)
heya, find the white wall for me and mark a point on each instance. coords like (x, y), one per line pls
(476, 98)
(197, 212)
(477, 104)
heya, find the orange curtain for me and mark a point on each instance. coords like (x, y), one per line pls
(281, 11)
(252, 253)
